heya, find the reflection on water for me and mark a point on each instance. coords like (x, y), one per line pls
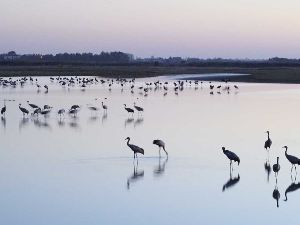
(160, 168)
(137, 174)
(50, 168)
(293, 187)
(232, 180)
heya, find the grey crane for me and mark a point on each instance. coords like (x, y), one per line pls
(231, 156)
(3, 110)
(134, 148)
(268, 142)
(129, 110)
(138, 108)
(33, 106)
(23, 110)
(292, 159)
(104, 107)
(160, 145)
(276, 167)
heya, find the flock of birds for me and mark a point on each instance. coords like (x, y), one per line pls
(143, 89)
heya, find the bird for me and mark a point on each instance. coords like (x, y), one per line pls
(292, 159)
(268, 142)
(129, 110)
(134, 148)
(61, 112)
(139, 109)
(23, 110)
(276, 167)
(231, 156)
(160, 145)
(33, 105)
(104, 107)
(3, 110)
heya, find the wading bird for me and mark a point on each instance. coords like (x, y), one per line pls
(139, 109)
(134, 148)
(276, 167)
(292, 159)
(231, 156)
(129, 110)
(160, 145)
(3, 110)
(23, 110)
(104, 107)
(268, 142)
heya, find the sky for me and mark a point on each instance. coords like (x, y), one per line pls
(188, 28)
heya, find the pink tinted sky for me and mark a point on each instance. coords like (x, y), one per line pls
(195, 28)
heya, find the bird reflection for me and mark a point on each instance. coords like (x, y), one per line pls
(276, 195)
(267, 167)
(93, 118)
(160, 169)
(129, 121)
(23, 122)
(104, 117)
(138, 122)
(61, 122)
(137, 175)
(293, 187)
(231, 182)
(41, 124)
(3, 122)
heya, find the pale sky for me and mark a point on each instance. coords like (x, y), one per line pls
(187, 28)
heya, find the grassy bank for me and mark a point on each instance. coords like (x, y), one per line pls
(268, 74)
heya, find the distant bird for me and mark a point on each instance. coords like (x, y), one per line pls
(3, 110)
(139, 109)
(104, 107)
(292, 159)
(33, 105)
(61, 112)
(93, 108)
(37, 111)
(129, 110)
(276, 167)
(231, 156)
(268, 142)
(46, 87)
(236, 87)
(160, 145)
(23, 110)
(134, 148)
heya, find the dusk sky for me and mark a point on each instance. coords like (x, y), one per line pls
(187, 28)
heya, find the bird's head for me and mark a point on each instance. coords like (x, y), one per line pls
(285, 147)
(223, 148)
(124, 105)
(268, 132)
(19, 104)
(128, 138)
(27, 101)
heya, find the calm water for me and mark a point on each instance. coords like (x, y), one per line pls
(80, 171)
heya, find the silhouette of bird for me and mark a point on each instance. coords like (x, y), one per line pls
(134, 148)
(61, 112)
(3, 110)
(268, 142)
(139, 109)
(231, 156)
(292, 159)
(23, 110)
(104, 107)
(129, 110)
(33, 105)
(276, 167)
(160, 145)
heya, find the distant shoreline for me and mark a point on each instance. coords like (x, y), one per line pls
(268, 74)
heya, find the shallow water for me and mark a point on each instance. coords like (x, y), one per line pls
(80, 171)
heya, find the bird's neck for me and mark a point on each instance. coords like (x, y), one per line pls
(277, 160)
(128, 141)
(268, 135)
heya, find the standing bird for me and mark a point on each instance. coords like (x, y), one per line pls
(3, 110)
(268, 142)
(139, 109)
(129, 110)
(231, 156)
(61, 112)
(134, 148)
(160, 144)
(33, 106)
(23, 110)
(292, 159)
(104, 107)
(276, 167)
